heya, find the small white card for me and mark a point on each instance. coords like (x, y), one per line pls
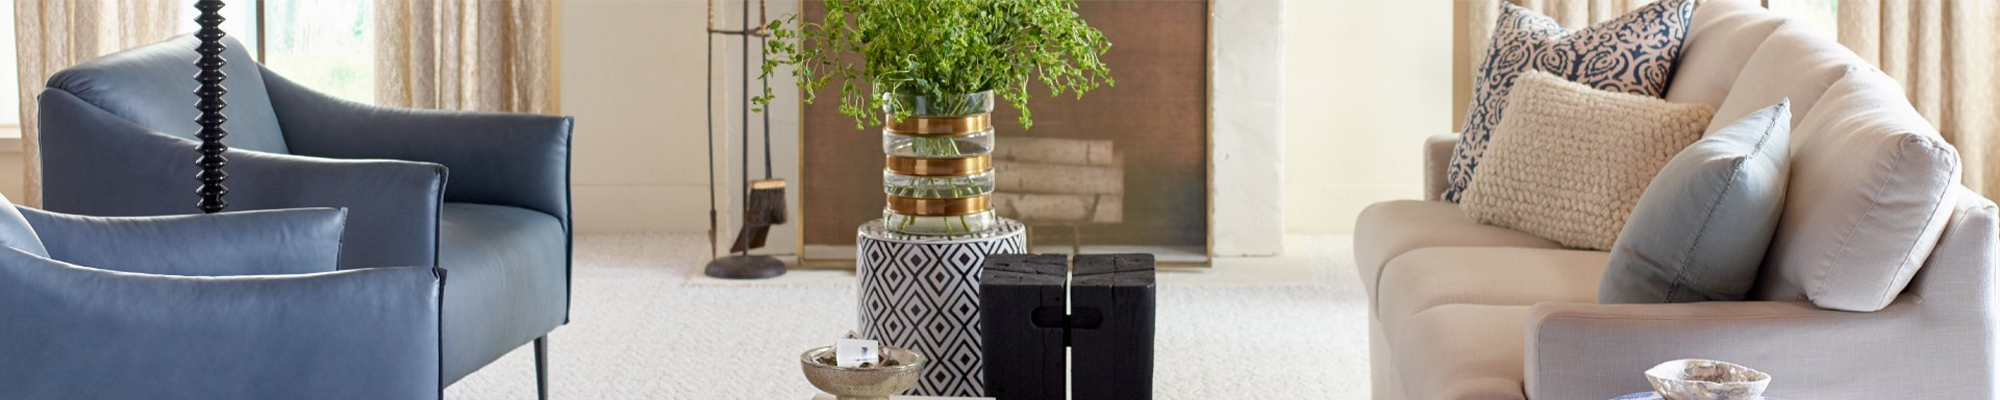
(854, 352)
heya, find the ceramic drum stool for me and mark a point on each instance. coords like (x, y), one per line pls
(922, 293)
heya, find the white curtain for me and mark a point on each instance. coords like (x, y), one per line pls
(54, 34)
(487, 55)
(1943, 52)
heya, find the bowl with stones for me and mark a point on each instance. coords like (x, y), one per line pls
(897, 372)
(1694, 379)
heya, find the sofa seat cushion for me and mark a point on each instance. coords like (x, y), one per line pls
(504, 284)
(1389, 229)
(1434, 277)
(1464, 352)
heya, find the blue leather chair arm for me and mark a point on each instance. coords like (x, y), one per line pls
(268, 242)
(95, 163)
(81, 333)
(519, 160)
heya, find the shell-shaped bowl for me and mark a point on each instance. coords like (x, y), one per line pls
(864, 383)
(1696, 379)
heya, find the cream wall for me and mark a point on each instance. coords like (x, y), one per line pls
(1366, 82)
(631, 75)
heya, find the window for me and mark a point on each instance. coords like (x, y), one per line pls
(327, 45)
(1823, 15)
(10, 104)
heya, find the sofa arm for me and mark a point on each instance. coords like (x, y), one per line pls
(510, 159)
(1437, 158)
(1600, 351)
(265, 242)
(85, 333)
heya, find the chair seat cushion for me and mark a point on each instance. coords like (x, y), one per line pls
(1434, 277)
(504, 281)
(1468, 352)
(1388, 229)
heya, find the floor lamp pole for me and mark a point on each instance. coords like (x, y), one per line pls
(210, 104)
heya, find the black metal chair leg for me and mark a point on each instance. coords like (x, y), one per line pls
(542, 367)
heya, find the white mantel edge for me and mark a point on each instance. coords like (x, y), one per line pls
(1247, 189)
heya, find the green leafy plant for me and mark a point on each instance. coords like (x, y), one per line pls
(941, 50)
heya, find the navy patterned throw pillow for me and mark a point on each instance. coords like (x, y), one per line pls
(1634, 53)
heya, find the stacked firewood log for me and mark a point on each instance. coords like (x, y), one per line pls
(1051, 180)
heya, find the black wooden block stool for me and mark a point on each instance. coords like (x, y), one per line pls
(1108, 328)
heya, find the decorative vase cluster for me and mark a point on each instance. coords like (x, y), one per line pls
(939, 171)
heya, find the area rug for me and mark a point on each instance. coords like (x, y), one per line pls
(639, 330)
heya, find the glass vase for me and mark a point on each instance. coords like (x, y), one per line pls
(939, 174)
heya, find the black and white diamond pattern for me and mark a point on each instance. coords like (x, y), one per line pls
(922, 293)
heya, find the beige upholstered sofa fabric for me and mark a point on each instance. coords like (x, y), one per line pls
(1504, 276)
(1725, 33)
(1869, 194)
(1388, 229)
(1795, 62)
(1568, 161)
(1464, 351)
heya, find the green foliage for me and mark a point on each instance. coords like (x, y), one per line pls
(938, 49)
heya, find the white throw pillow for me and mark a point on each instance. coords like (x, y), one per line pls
(1568, 162)
(1868, 197)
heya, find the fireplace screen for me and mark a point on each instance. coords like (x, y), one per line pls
(1123, 169)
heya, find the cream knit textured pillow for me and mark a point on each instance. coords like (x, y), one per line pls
(1568, 162)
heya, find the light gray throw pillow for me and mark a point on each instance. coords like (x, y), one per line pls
(1700, 230)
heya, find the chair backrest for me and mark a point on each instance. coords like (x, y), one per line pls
(153, 86)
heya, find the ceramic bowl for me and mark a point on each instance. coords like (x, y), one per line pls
(855, 383)
(1694, 379)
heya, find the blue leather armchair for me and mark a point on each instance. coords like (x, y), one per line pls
(117, 139)
(245, 305)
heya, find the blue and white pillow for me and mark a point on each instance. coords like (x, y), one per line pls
(1634, 53)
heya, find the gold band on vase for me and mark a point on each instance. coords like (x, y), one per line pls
(960, 166)
(939, 207)
(941, 126)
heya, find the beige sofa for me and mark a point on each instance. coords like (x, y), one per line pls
(1467, 311)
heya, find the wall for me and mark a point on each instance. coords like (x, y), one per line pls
(1366, 82)
(631, 73)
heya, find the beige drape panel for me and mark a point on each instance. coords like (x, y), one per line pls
(486, 55)
(54, 34)
(1943, 52)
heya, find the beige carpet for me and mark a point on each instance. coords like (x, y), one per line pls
(642, 328)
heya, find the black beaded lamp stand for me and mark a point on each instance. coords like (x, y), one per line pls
(211, 105)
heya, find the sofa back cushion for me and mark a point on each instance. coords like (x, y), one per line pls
(1867, 199)
(1796, 62)
(1725, 32)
